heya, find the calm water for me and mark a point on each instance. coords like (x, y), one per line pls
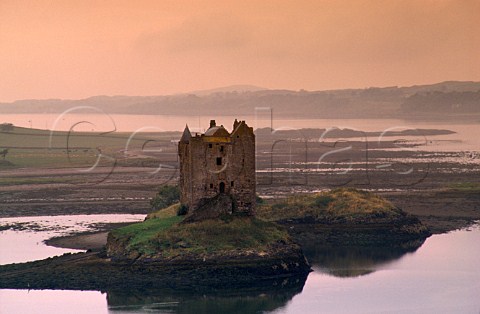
(439, 276)
(23, 246)
(466, 139)
(129, 123)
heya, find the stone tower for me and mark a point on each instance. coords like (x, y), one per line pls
(218, 163)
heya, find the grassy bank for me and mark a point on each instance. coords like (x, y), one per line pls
(141, 236)
(162, 234)
(344, 204)
(344, 217)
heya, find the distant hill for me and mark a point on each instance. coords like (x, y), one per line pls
(386, 102)
(441, 104)
(228, 89)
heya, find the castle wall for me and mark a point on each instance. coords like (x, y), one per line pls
(210, 165)
(243, 169)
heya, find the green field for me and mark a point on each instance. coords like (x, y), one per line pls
(33, 148)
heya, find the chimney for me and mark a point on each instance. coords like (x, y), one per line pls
(212, 123)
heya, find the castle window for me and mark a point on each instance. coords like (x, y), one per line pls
(209, 145)
(231, 183)
(219, 161)
(221, 148)
(211, 185)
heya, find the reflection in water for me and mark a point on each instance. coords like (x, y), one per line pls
(441, 277)
(337, 261)
(249, 299)
(353, 261)
(22, 239)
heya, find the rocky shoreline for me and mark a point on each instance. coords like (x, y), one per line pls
(390, 232)
(96, 271)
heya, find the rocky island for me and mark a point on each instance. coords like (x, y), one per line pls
(344, 216)
(220, 233)
(215, 221)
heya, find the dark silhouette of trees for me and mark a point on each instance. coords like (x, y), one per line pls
(6, 127)
(4, 153)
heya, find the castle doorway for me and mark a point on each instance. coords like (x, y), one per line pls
(222, 187)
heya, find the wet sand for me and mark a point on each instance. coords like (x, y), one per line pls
(90, 241)
(440, 210)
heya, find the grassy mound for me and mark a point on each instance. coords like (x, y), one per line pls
(169, 211)
(339, 205)
(138, 236)
(216, 236)
(344, 217)
(164, 237)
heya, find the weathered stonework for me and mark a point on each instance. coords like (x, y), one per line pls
(218, 162)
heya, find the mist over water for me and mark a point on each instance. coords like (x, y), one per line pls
(130, 123)
(465, 137)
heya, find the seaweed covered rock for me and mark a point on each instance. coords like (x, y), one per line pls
(344, 216)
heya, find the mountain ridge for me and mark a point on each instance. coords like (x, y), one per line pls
(372, 102)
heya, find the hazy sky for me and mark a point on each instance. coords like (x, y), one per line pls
(76, 49)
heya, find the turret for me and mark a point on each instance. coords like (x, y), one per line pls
(186, 135)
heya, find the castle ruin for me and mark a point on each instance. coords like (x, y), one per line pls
(218, 163)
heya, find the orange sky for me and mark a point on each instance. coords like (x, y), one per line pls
(76, 49)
